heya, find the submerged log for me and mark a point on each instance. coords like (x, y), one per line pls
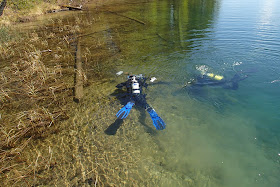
(66, 8)
(79, 89)
(72, 7)
(131, 18)
(2, 6)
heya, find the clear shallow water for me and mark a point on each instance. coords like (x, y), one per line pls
(230, 137)
(214, 136)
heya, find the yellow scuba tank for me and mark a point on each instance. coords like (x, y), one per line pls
(215, 77)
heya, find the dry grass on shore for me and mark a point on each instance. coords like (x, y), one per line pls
(36, 81)
(29, 10)
(33, 99)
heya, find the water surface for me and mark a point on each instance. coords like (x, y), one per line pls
(231, 137)
(214, 136)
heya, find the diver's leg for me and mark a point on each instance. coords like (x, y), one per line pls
(157, 121)
(124, 111)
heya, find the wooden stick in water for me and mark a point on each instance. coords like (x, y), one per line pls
(79, 90)
(134, 19)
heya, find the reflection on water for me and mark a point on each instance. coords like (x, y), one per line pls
(214, 136)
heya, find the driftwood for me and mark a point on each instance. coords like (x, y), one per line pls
(2, 6)
(79, 90)
(72, 7)
(164, 38)
(66, 8)
(139, 21)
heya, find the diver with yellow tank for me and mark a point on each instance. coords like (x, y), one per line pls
(211, 79)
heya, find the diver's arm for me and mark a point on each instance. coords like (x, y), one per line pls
(121, 85)
(142, 83)
(154, 81)
(233, 83)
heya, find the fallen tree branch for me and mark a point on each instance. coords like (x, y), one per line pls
(66, 8)
(78, 74)
(139, 21)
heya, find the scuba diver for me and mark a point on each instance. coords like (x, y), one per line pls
(210, 79)
(134, 87)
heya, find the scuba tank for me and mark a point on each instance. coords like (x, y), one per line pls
(135, 85)
(215, 77)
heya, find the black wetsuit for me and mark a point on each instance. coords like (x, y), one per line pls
(136, 95)
(227, 84)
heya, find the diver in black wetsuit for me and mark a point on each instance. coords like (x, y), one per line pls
(134, 86)
(211, 79)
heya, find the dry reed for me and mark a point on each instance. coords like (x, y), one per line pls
(36, 81)
(32, 100)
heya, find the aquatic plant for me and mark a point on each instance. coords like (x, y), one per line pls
(36, 81)
(33, 99)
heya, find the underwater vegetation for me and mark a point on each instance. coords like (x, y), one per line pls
(32, 100)
(36, 92)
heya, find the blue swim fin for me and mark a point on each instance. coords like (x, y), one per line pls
(157, 121)
(124, 111)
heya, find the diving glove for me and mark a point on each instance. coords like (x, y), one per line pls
(124, 111)
(157, 121)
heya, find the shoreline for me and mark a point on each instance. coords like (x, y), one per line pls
(36, 89)
(12, 14)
